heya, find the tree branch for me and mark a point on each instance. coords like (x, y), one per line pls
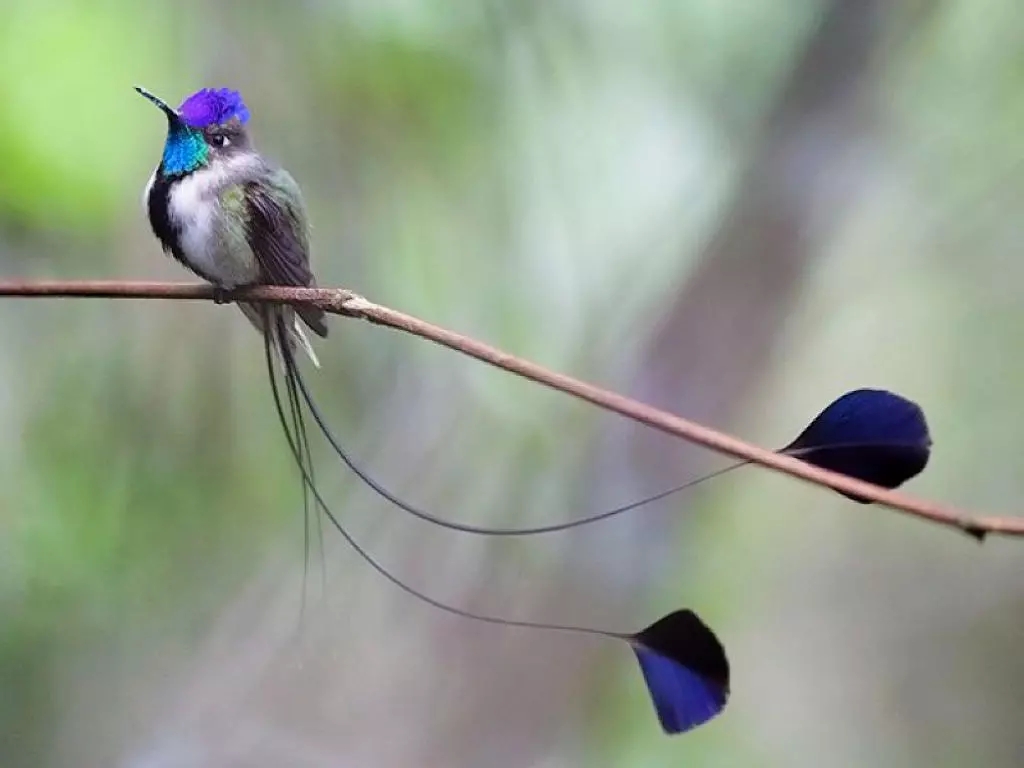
(340, 301)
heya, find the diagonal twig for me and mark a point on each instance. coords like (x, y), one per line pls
(344, 302)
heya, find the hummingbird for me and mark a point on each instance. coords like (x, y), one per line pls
(227, 214)
(235, 220)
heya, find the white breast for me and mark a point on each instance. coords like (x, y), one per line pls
(147, 190)
(194, 206)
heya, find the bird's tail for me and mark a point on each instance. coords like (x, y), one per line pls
(264, 318)
(298, 335)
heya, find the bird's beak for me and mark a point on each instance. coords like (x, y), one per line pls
(173, 118)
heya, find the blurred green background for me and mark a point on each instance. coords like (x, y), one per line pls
(735, 211)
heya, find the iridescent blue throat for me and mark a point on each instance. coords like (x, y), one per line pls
(184, 151)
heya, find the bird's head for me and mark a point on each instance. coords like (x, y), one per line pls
(208, 127)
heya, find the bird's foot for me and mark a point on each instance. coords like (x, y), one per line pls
(221, 295)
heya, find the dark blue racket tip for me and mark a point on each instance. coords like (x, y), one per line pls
(870, 434)
(685, 669)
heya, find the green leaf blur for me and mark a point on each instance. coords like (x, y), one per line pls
(732, 210)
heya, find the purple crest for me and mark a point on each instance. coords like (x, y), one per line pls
(213, 106)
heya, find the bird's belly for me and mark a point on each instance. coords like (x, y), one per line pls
(209, 245)
(209, 253)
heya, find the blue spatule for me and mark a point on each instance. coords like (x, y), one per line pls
(870, 434)
(685, 669)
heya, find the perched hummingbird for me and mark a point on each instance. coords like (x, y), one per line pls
(235, 220)
(227, 214)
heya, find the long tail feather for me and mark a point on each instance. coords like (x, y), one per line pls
(872, 451)
(264, 319)
(293, 422)
(300, 336)
(670, 653)
(290, 372)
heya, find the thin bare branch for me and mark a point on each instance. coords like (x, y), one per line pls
(344, 302)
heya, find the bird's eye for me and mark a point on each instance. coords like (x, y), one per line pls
(220, 140)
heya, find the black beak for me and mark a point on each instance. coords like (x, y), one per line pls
(173, 118)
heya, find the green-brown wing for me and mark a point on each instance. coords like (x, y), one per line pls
(277, 232)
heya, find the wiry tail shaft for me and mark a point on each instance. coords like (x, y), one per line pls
(265, 318)
(294, 432)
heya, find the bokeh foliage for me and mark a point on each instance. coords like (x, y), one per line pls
(552, 177)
